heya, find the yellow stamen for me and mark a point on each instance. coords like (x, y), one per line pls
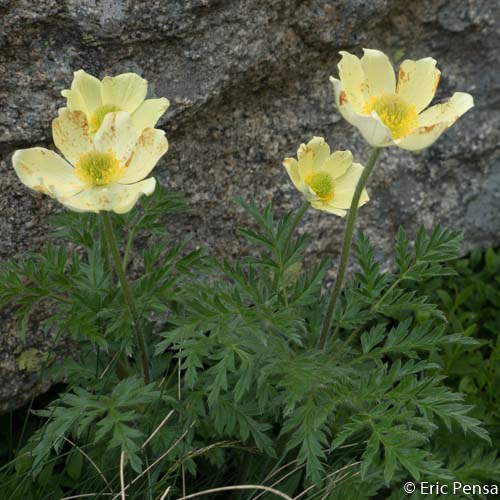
(98, 168)
(98, 116)
(398, 116)
(321, 183)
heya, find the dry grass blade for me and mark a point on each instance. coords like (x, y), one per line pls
(122, 477)
(145, 471)
(238, 487)
(325, 478)
(157, 429)
(288, 474)
(201, 451)
(183, 472)
(87, 495)
(337, 481)
(165, 493)
(92, 462)
(283, 467)
(109, 365)
(277, 471)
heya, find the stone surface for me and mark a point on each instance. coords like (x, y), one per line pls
(248, 82)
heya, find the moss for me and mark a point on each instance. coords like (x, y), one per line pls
(32, 360)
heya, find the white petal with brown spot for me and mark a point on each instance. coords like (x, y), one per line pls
(103, 172)
(387, 114)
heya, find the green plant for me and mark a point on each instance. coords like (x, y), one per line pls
(240, 393)
(470, 300)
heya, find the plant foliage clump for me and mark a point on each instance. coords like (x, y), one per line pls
(240, 390)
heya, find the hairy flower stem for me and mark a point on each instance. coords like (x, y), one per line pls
(130, 240)
(122, 364)
(346, 246)
(127, 294)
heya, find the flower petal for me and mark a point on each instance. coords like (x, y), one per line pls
(85, 93)
(343, 199)
(343, 101)
(418, 81)
(149, 112)
(126, 91)
(422, 137)
(327, 207)
(320, 149)
(345, 187)
(373, 130)
(46, 172)
(337, 164)
(305, 156)
(379, 73)
(435, 120)
(118, 134)
(71, 134)
(353, 79)
(118, 197)
(448, 112)
(292, 167)
(150, 147)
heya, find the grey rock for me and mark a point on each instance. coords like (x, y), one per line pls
(248, 82)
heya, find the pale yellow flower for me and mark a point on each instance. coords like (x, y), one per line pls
(327, 180)
(388, 114)
(103, 171)
(126, 92)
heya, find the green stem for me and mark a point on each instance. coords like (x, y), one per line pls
(346, 343)
(127, 293)
(283, 288)
(346, 247)
(104, 243)
(386, 293)
(130, 240)
(122, 365)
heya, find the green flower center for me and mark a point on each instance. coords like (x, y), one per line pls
(322, 184)
(398, 116)
(99, 114)
(98, 169)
